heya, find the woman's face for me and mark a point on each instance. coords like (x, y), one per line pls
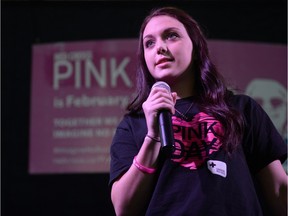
(167, 48)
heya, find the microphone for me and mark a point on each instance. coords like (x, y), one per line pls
(165, 124)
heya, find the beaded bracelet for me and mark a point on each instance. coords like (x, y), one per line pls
(152, 138)
(143, 168)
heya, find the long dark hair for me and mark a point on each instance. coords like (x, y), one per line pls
(211, 92)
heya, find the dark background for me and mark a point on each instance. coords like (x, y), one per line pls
(27, 23)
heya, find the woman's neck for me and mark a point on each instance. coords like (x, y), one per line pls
(184, 86)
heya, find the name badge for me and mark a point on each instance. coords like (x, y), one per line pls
(217, 167)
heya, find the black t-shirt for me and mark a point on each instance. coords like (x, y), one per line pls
(201, 178)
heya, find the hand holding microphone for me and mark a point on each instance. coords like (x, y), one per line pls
(158, 110)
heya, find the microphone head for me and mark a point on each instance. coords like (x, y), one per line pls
(161, 84)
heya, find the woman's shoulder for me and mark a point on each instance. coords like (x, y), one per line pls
(134, 114)
(242, 100)
(132, 118)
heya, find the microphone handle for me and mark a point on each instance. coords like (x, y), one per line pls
(166, 131)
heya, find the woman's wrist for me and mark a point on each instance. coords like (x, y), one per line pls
(154, 138)
(142, 168)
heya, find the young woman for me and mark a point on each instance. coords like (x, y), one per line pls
(227, 154)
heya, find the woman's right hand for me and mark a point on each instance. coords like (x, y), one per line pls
(158, 99)
(132, 191)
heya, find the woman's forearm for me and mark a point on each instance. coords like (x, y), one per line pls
(131, 192)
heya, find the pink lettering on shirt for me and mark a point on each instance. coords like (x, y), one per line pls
(195, 140)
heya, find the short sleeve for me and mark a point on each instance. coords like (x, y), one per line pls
(262, 142)
(125, 145)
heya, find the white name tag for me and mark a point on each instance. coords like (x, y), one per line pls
(217, 167)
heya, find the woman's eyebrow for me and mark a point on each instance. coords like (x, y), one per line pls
(164, 31)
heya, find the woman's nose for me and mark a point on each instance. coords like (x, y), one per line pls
(161, 48)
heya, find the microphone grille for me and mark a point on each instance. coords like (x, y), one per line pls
(161, 84)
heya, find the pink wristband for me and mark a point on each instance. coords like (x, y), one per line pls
(143, 168)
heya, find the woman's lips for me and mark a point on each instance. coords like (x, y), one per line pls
(163, 60)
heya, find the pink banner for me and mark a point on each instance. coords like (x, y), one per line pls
(258, 70)
(80, 91)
